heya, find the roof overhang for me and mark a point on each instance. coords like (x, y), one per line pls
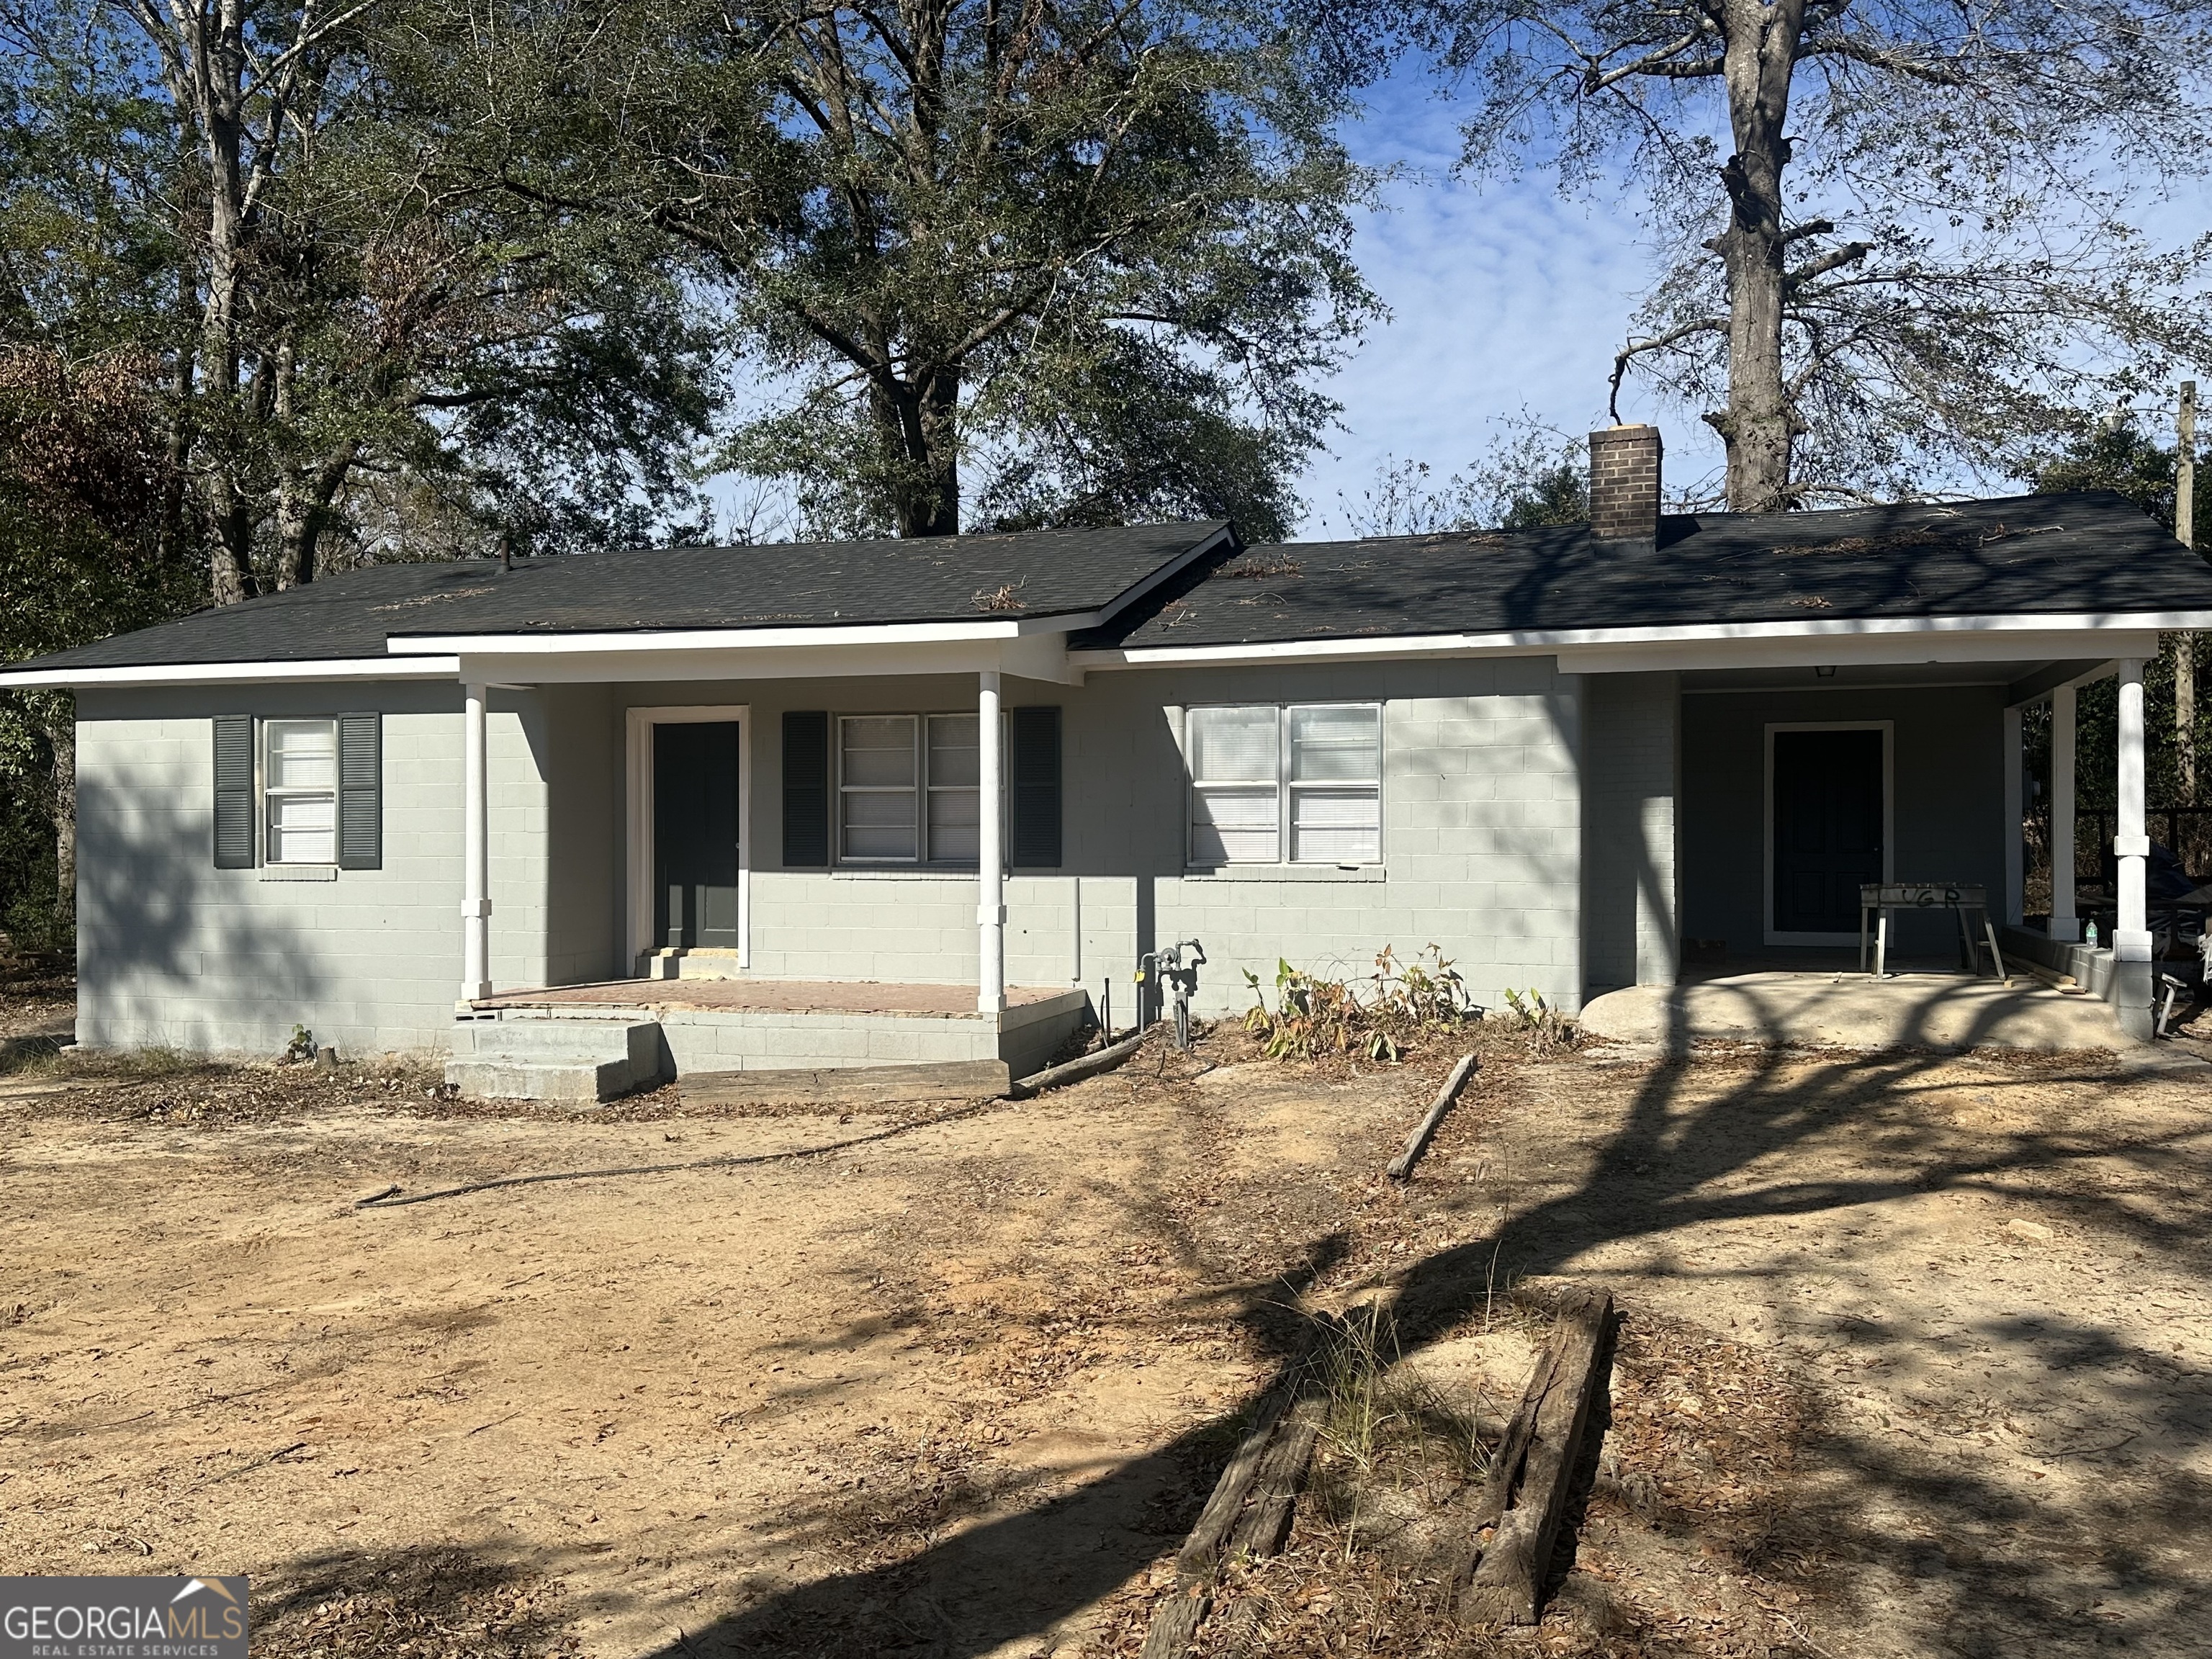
(232, 673)
(1721, 645)
(1033, 657)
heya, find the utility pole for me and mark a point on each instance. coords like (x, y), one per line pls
(2185, 645)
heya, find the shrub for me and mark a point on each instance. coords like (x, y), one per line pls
(1314, 1017)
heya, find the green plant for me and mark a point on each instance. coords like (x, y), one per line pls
(1547, 1028)
(1312, 1015)
(302, 1047)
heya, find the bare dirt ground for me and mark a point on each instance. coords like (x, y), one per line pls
(1914, 1359)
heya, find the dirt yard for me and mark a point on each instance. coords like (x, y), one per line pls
(1914, 1359)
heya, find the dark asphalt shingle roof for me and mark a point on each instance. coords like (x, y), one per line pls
(2024, 555)
(1045, 573)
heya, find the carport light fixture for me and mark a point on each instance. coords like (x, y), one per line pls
(1826, 673)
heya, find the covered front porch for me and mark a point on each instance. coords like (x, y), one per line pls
(1802, 785)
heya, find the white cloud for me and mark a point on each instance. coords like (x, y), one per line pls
(1503, 295)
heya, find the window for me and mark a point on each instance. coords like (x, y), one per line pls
(906, 789)
(876, 783)
(300, 792)
(1298, 785)
(956, 778)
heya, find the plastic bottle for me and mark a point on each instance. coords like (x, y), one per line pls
(2090, 937)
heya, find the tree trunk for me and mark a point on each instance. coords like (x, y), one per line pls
(173, 531)
(216, 96)
(303, 510)
(920, 427)
(1760, 423)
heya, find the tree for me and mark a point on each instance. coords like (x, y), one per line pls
(1911, 229)
(266, 197)
(83, 487)
(993, 262)
(2116, 452)
(1531, 475)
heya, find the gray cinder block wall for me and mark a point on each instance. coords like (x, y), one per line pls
(174, 951)
(1482, 816)
(1631, 898)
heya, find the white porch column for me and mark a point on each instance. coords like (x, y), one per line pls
(2014, 871)
(2131, 849)
(2065, 925)
(990, 858)
(476, 852)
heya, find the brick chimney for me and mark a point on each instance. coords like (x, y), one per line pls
(1624, 484)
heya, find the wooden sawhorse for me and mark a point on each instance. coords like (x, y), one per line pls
(1878, 899)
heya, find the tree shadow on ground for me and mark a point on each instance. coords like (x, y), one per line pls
(371, 1604)
(1674, 1161)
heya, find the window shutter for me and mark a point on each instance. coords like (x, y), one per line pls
(805, 789)
(360, 791)
(1033, 808)
(233, 792)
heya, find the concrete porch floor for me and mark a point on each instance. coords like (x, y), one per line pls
(698, 1026)
(1920, 1006)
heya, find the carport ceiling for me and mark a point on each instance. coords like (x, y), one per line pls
(1847, 677)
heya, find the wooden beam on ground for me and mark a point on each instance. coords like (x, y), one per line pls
(847, 1085)
(1250, 1506)
(1401, 1167)
(1508, 1580)
(2051, 976)
(1074, 1071)
(1262, 1530)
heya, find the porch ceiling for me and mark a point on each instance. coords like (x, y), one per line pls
(1867, 676)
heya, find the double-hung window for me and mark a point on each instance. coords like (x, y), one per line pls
(909, 789)
(300, 792)
(1294, 784)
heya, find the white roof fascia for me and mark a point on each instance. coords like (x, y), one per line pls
(1035, 658)
(867, 636)
(233, 673)
(1617, 650)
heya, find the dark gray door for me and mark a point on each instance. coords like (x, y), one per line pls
(1828, 828)
(695, 835)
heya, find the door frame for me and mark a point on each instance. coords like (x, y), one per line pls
(1888, 730)
(638, 724)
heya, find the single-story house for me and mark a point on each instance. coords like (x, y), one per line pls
(879, 802)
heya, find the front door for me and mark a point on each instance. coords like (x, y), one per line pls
(695, 835)
(1828, 828)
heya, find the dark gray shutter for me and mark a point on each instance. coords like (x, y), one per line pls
(360, 791)
(1033, 747)
(233, 792)
(805, 790)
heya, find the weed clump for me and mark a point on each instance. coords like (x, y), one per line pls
(1314, 1017)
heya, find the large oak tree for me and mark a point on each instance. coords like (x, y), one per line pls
(1899, 229)
(991, 261)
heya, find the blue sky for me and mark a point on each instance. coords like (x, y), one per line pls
(1503, 296)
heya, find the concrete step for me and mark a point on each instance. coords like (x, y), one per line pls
(585, 1060)
(575, 1083)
